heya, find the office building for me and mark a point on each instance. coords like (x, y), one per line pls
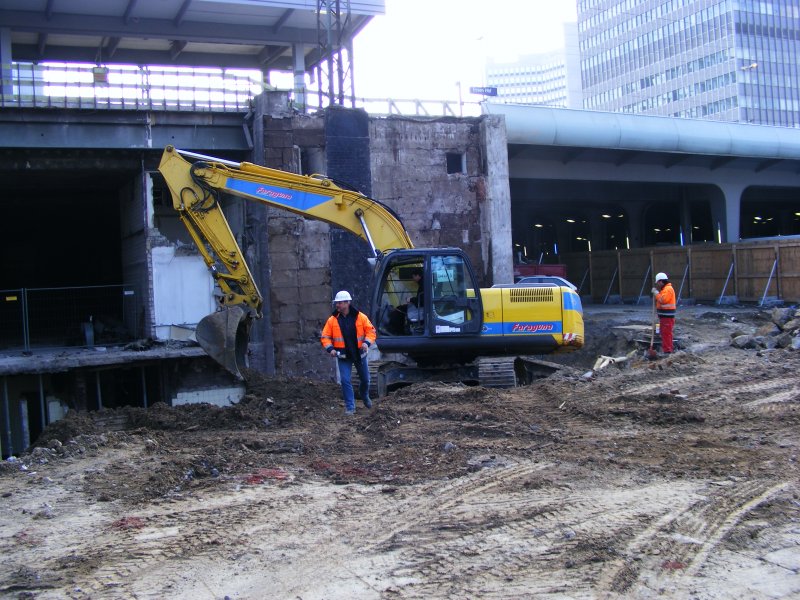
(729, 60)
(545, 79)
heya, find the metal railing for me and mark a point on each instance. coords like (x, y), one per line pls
(59, 85)
(40, 318)
(155, 88)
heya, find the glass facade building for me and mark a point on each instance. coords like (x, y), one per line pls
(539, 79)
(546, 79)
(728, 60)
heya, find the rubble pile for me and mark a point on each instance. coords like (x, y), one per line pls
(781, 331)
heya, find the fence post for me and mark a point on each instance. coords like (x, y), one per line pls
(683, 280)
(769, 281)
(43, 404)
(591, 277)
(610, 284)
(689, 263)
(725, 287)
(26, 332)
(98, 389)
(644, 284)
(583, 279)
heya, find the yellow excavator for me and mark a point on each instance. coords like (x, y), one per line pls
(452, 333)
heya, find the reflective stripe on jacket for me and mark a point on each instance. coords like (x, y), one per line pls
(665, 301)
(332, 334)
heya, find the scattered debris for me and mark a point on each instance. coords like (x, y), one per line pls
(626, 472)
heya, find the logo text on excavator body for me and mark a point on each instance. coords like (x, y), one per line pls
(532, 327)
(268, 193)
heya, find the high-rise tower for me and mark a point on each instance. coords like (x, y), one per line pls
(729, 60)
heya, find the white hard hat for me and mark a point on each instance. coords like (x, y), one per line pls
(342, 296)
(662, 277)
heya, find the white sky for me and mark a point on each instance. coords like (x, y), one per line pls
(420, 48)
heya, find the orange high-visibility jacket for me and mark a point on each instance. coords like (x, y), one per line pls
(665, 301)
(332, 334)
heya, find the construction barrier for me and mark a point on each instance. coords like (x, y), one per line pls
(69, 316)
(764, 272)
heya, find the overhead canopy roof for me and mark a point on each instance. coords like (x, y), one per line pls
(252, 34)
(624, 138)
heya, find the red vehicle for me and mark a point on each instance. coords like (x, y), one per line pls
(531, 269)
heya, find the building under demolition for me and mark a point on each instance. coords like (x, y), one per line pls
(103, 286)
(101, 301)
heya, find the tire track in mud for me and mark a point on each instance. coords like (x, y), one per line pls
(676, 546)
(222, 529)
(27, 537)
(484, 538)
(772, 390)
(777, 390)
(662, 385)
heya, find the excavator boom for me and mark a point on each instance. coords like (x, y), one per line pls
(196, 187)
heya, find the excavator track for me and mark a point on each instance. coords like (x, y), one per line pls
(497, 372)
(494, 372)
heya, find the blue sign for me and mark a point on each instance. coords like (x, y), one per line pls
(486, 91)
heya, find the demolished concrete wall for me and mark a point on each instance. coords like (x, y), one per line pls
(495, 200)
(299, 285)
(433, 173)
(429, 171)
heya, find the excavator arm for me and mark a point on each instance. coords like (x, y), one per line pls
(196, 188)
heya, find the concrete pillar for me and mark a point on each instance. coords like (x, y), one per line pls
(496, 222)
(597, 229)
(562, 235)
(299, 58)
(8, 446)
(261, 348)
(7, 83)
(347, 150)
(80, 390)
(731, 225)
(686, 222)
(635, 214)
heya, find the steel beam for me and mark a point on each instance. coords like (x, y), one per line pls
(117, 129)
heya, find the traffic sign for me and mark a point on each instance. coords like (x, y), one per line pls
(486, 91)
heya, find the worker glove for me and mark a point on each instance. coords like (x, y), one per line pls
(364, 350)
(654, 291)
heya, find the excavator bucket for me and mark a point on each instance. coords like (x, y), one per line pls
(224, 336)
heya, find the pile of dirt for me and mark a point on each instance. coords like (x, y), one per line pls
(74, 424)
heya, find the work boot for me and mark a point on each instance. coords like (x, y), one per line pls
(368, 403)
(350, 412)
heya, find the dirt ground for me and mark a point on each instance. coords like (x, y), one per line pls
(669, 478)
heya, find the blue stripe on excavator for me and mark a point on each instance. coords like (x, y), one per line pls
(289, 198)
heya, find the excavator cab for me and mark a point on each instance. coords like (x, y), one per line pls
(416, 316)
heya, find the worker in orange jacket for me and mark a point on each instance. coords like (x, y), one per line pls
(348, 334)
(665, 308)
